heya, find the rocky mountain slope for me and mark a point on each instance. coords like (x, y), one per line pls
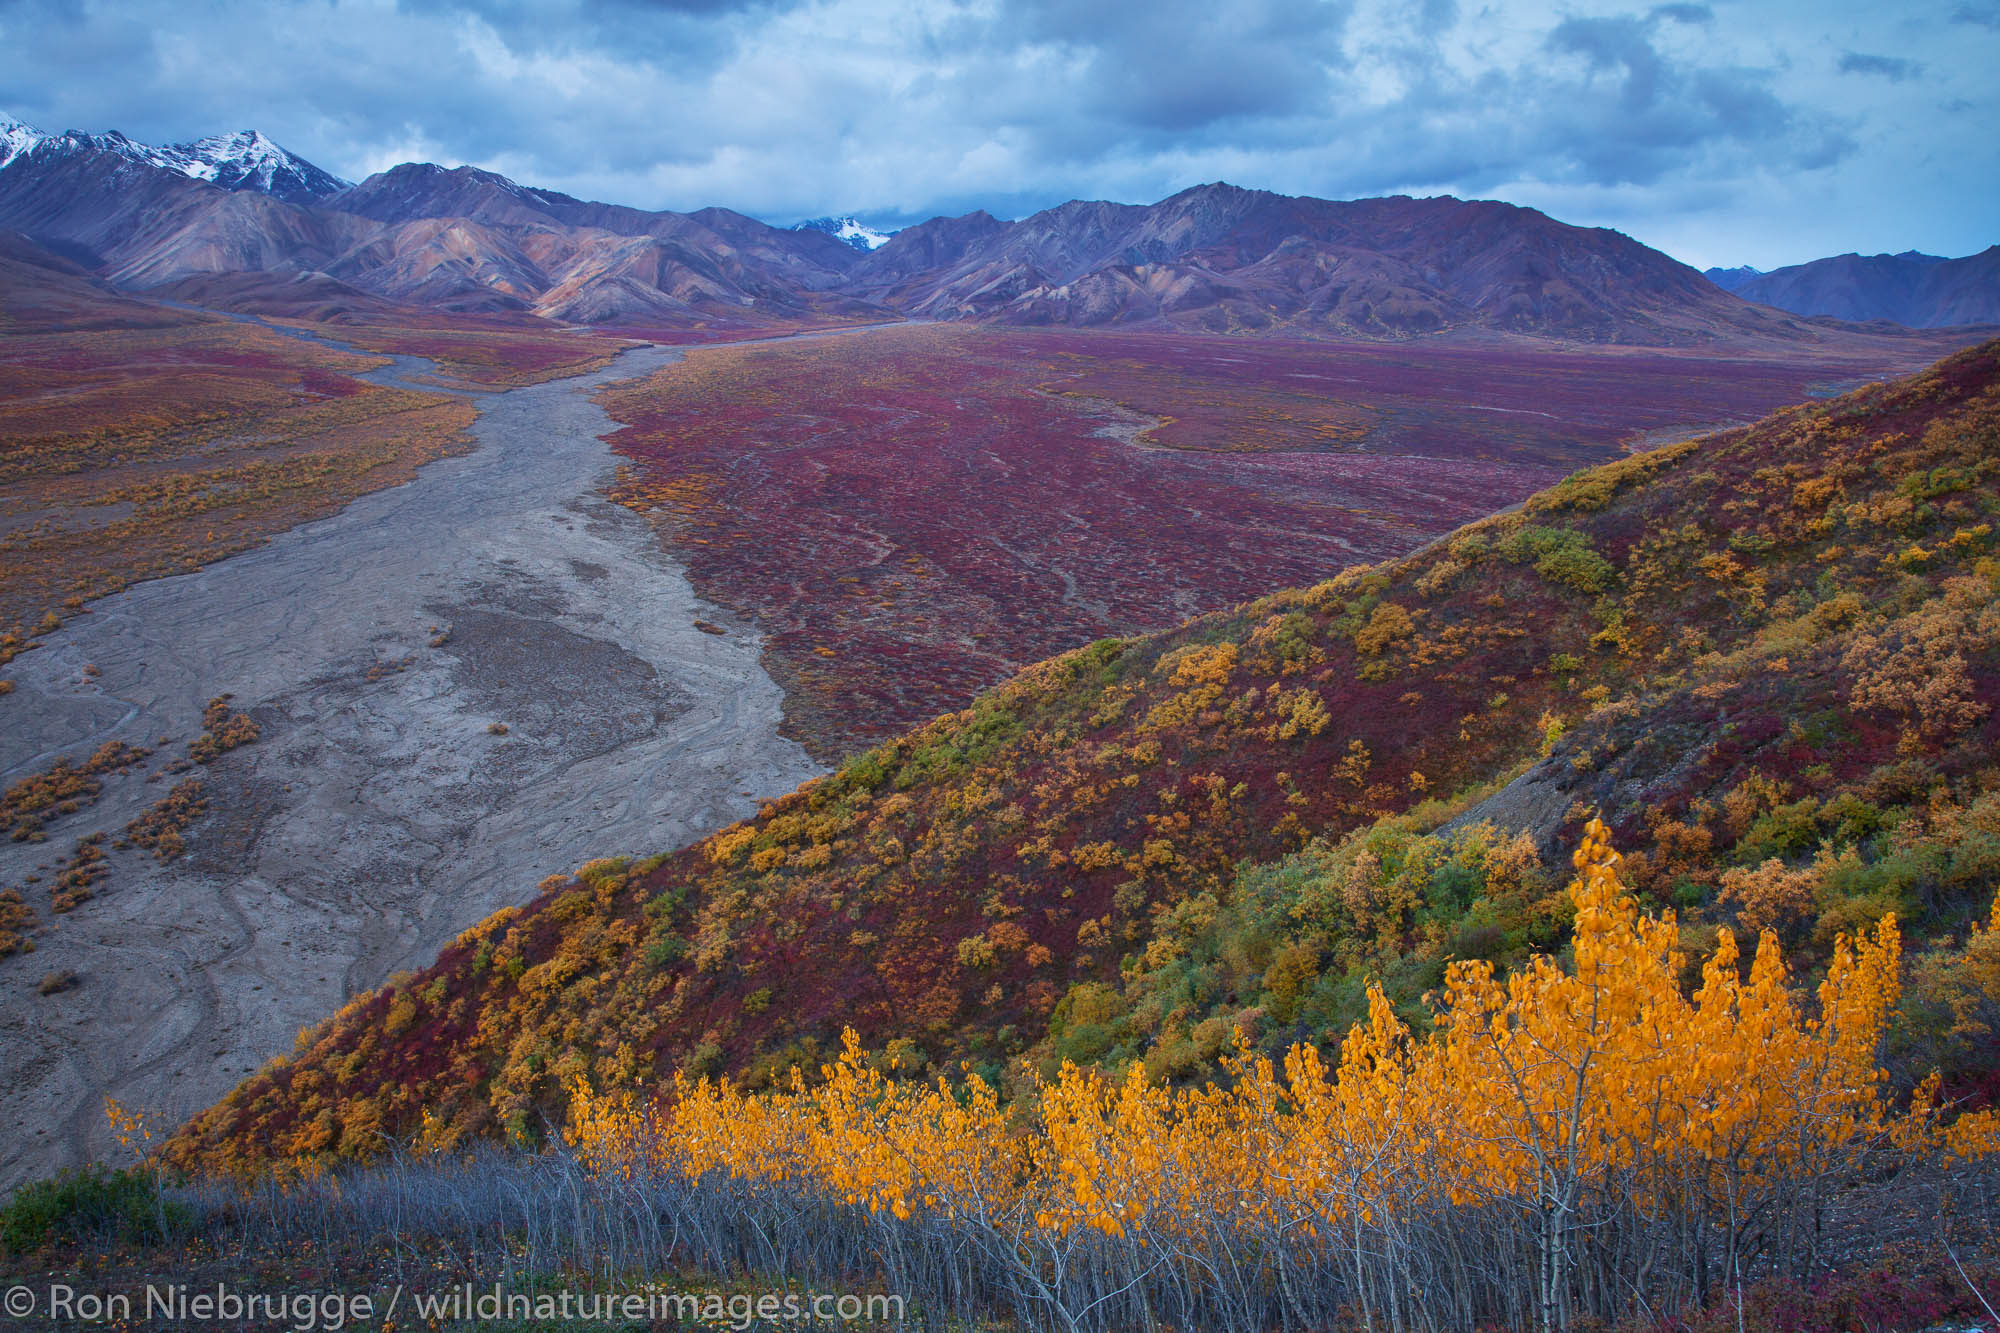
(588, 262)
(1732, 279)
(1918, 290)
(1770, 657)
(457, 240)
(139, 224)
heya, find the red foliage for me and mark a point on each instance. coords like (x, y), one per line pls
(1890, 1296)
(912, 514)
(328, 385)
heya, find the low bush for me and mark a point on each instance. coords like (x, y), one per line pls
(93, 1203)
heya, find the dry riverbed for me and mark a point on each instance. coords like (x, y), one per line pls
(461, 685)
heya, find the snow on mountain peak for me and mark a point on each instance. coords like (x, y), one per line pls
(243, 160)
(855, 233)
(248, 159)
(248, 147)
(17, 137)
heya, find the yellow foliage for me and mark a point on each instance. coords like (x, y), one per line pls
(1297, 710)
(1201, 672)
(1390, 625)
(133, 1128)
(1770, 896)
(724, 846)
(1915, 667)
(1538, 1086)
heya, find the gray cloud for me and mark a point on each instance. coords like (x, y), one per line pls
(1182, 65)
(1678, 120)
(1888, 67)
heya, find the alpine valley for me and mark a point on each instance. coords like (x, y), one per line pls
(1242, 761)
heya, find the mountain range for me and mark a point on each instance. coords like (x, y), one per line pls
(238, 219)
(245, 160)
(1919, 290)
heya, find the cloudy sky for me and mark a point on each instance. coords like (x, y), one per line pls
(1762, 133)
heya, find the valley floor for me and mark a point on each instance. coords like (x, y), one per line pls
(459, 686)
(914, 514)
(456, 687)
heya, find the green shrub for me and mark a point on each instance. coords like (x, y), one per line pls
(1288, 980)
(664, 948)
(1577, 568)
(1928, 485)
(1562, 556)
(1786, 832)
(93, 1203)
(869, 771)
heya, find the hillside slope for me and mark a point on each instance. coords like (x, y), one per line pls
(1922, 291)
(572, 259)
(44, 292)
(141, 225)
(1770, 656)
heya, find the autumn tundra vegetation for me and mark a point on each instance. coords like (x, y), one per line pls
(1587, 1141)
(132, 452)
(1234, 976)
(1574, 1142)
(913, 515)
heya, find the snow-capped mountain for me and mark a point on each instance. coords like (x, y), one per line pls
(857, 234)
(16, 138)
(245, 160)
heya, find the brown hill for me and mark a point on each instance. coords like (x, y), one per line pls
(289, 295)
(593, 262)
(1770, 656)
(448, 263)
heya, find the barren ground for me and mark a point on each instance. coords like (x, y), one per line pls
(381, 811)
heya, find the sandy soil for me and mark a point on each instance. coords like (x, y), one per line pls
(381, 811)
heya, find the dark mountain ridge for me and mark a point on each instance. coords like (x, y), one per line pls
(1212, 258)
(452, 239)
(1913, 289)
(1220, 258)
